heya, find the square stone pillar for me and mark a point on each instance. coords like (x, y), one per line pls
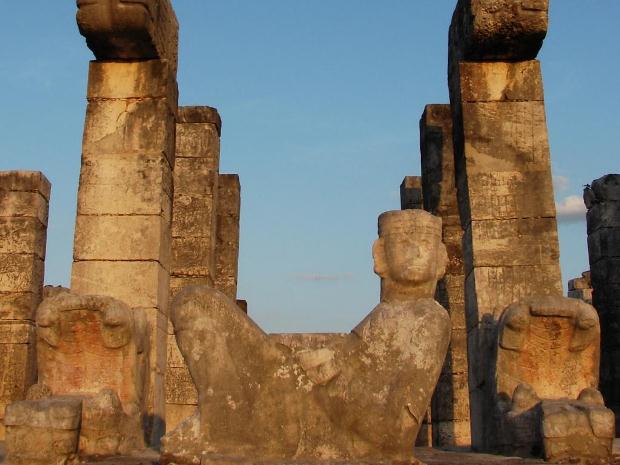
(227, 245)
(411, 193)
(411, 199)
(24, 206)
(194, 220)
(503, 175)
(450, 405)
(122, 233)
(602, 200)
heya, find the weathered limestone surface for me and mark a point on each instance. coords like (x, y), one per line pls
(411, 199)
(508, 30)
(130, 29)
(544, 380)
(24, 205)
(227, 236)
(90, 398)
(359, 396)
(41, 432)
(450, 406)
(581, 288)
(122, 235)
(503, 173)
(53, 291)
(602, 200)
(194, 223)
(411, 193)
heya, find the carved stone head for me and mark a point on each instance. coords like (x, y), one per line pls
(409, 254)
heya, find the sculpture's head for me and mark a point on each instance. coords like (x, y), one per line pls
(409, 252)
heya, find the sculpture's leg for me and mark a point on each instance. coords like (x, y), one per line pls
(244, 381)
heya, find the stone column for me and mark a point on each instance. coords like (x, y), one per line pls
(411, 193)
(450, 405)
(227, 245)
(603, 203)
(24, 203)
(194, 219)
(411, 199)
(122, 235)
(503, 173)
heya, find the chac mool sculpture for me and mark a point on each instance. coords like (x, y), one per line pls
(360, 396)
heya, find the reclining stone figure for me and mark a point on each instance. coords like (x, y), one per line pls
(359, 396)
(92, 356)
(545, 379)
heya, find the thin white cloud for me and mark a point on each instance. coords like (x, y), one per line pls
(561, 183)
(571, 210)
(319, 277)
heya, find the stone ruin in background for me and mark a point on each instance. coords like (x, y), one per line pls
(98, 369)
(486, 169)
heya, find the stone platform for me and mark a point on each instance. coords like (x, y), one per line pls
(426, 455)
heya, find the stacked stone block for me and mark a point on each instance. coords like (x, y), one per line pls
(411, 199)
(411, 193)
(227, 234)
(196, 175)
(122, 234)
(602, 200)
(450, 405)
(581, 288)
(24, 205)
(503, 174)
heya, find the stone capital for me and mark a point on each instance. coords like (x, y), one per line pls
(498, 30)
(129, 29)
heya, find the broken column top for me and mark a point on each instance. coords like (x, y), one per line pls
(411, 193)
(25, 181)
(603, 189)
(202, 114)
(129, 29)
(498, 30)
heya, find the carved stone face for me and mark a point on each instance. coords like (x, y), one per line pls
(409, 249)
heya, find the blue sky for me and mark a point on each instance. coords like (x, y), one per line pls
(320, 102)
